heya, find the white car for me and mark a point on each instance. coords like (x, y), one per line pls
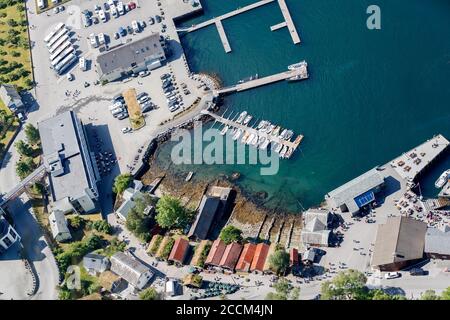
(126, 130)
(69, 76)
(392, 275)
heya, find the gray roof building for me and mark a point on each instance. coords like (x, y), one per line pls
(58, 225)
(130, 269)
(437, 243)
(142, 54)
(11, 97)
(72, 173)
(356, 193)
(95, 263)
(399, 242)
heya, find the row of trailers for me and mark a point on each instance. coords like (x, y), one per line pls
(62, 52)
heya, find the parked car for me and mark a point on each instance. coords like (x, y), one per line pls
(56, 10)
(143, 74)
(144, 99)
(131, 5)
(69, 76)
(122, 31)
(97, 9)
(116, 35)
(418, 272)
(126, 130)
(141, 95)
(122, 116)
(21, 117)
(392, 275)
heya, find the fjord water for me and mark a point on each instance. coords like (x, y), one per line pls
(372, 94)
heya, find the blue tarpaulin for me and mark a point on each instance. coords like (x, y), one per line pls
(365, 198)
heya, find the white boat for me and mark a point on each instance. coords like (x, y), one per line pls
(247, 119)
(261, 141)
(189, 176)
(298, 65)
(248, 79)
(250, 138)
(254, 141)
(445, 176)
(245, 137)
(269, 130)
(283, 134)
(276, 131)
(224, 130)
(262, 124)
(289, 152)
(278, 148)
(289, 135)
(265, 144)
(237, 134)
(241, 117)
(283, 151)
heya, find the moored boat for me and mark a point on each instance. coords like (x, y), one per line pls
(241, 117)
(247, 119)
(245, 136)
(298, 65)
(237, 134)
(224, 130)
(189, 176)
(443, 178)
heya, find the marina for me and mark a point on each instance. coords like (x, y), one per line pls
(261, 137)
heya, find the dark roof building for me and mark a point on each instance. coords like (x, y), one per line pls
(246, 258)
(215, 254)
(8, 236)
(259, 260)
(179, 251)
(399, 243)
(146, 53)
(230, 256)
(437, 243)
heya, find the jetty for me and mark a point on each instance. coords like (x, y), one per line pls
(217, 21)
(274, 139)
(296, 74)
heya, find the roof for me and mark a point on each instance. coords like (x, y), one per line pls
(135, 52)
(231, 255)
(259, 259)
(205, 217)
(246, 258)
(9, 95)
(58, 223)
(129, 203)
(321, 214)
(347, 193)
(128, 267)
(95, 261)
(293, 257)
(215, 254)
(309, 255)
(65, 153)
(4, 227)
(437, 241)
(316, 237)
(179, 250)
(107, 279)
(399, 239)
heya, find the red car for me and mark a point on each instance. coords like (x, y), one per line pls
(131, 5)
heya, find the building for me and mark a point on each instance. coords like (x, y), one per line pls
(293, 258)
(315, 232)
(245, 260)
(179, 251)
(11, 99)
(211, 209)
(215, 254)
(131, 270)
(140, 55)
(399, 242)
(259, 259)
(111, 282)
(437, 243)
(130, 195)
(95, 263)
(8, 236)
(73, 175)
(231, 256)
(356, 194)
(309, 256)
(58, 226)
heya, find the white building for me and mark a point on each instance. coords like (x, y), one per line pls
(131, 270)
(73, 175)
(8, 236)
(58, 225)
(315, 231)
(95, 263)
(10, 97)
(130, 195)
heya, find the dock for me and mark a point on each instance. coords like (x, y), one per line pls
(217, 21)
(301, 73)
(245, 128)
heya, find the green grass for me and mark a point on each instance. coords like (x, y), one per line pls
(24, 57)
(8, 131)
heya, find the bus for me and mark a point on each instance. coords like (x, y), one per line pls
(57, 37)
(58, 27)
(60, 50)
(61, 56)
(58, 43)
(63, 65)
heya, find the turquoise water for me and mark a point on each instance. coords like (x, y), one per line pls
(371, 94)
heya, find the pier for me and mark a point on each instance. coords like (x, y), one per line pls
(245, 128)
(217, 21)
(297, 74)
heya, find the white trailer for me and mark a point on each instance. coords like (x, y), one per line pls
(63, 65)
(58, 27)
(63, 47)
(61, 56)
(58, 36)
(58, 43)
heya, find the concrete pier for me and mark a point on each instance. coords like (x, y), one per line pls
(223, 36)
(278, 26)
(302, 73)
(289, 22)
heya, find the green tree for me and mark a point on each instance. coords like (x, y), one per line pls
(279, 261)
(283, 291)
(429, 295)
(121, 182)
(23, 148)
(32, 134)
(137, 222)
(347, 285)
(24, 168)
(446, 294)
(150, 294)
(102, 226)
(230, 234)
(170, 213)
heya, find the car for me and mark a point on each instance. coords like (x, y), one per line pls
(392, 275)
(418, 272)
(69, 76)
(122, 31)
(20, 116)
(143, 74)
(62, 8)
(144, 99)
(95, 20)
(131, 5)
(118, 97)
(56, 10)
(158, 19)
(116, 35)
(165, 76)
(174, 108)
(86, 84)
(97, 9)
(87, 13)
(151, 21)
(126, 130)
(141, 95)
(143, 24)
(129, 29)
(87, 21)
(102, 16)
(122, 116)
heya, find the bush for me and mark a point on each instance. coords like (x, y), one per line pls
(167, 249)
(279, 261)
(156, 244)
(102, 226)
(121, 182)
(204, 255)
(77, 222)
(170, 213)
(149, 294)
(230, 234)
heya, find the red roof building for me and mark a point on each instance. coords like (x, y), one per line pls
(245, 260)
(230, 256)
(293, 257)
(179, 251)
(215, 254)
(261, 252)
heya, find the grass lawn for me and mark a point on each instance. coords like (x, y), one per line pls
(8, 50)
(7, 132)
